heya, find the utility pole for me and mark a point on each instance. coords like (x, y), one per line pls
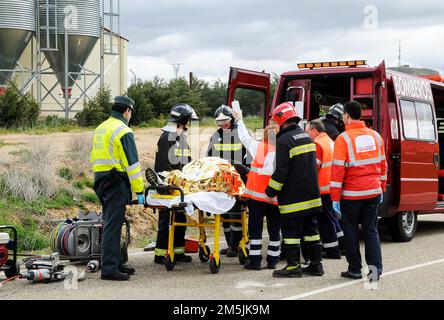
(176, 68)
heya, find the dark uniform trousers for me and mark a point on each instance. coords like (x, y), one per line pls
(257, 212)
(114, 199)
(328, 229)
(163, 232)
(233, 230)
(297, 229)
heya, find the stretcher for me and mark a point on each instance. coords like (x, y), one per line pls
(211, 206)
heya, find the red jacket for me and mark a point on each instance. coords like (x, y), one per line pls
(359, 168)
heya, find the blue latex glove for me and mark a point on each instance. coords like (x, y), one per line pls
(382, 198)
(141, 198)
(337, 209)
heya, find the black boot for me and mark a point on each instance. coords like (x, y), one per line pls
(315, 267)
(293, 268)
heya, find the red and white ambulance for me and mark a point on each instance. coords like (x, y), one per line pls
(407, 110)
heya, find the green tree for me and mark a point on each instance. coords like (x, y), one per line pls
(16, 109)
(96, 110)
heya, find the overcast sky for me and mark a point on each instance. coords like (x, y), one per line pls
(209, 36)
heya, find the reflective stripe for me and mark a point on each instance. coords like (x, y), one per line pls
(111, 140)
(182, 152)
(384, 178)
(347, 139)
(306, 148)
(312, 238)
(255, 252)
(327, 164)
(255, 241)
(383, 157)
(339, 162)
(292, 241)
(335, 184)
(159, 252)
(340, 234)
(226, 230)
(289, 268)
(134, 166)
(274, 253)
(235, 228)
(274, 243)
(257, 170)
(331, 245)
(135, 176)
(179, 250)
(300, 206)
(104, 161)
(318, 161)
(258, 195)
(326, 188)
(364, 162)
(361, 193)
(228, 146)
(275, 185)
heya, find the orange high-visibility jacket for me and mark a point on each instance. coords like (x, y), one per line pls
(257, 179)
(359, 168)
(324, 161)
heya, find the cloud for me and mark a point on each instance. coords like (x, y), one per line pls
(209, 36)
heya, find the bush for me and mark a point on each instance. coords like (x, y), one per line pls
(96, 110)
(17, 110)
(90, 197)
(65, 173)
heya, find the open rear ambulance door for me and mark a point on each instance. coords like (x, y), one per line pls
(252, 80)
(418, 181)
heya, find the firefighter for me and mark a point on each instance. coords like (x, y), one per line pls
(225, 144)
(295, 183)
(359, 176)
(331, 237)
(261, 170)
(333, 121)
(173, 153)
(117, 174)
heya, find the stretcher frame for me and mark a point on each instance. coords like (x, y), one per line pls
(205, 254)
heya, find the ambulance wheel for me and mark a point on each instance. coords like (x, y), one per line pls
(242, 257)
(14, 269)
(169, 265)
(214, 266)
(204, 257)
(402, 226)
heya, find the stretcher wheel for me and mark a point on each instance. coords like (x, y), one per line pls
(204, 257)
(169, 265)
(14, 269)
(214, 266)
(242, 257)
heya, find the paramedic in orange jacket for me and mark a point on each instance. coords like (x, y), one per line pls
(358, 181)
(259, 207)
(331, 236)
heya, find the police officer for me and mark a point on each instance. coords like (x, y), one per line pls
(295, 183)
(333, 121)
(225, 144)
(116, 173)
(173, 153)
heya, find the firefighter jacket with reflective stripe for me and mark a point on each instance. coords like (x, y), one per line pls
(226, 144)
(359, 168)
(324, 161)
(173, 152)
(114, 148)
(295, 180)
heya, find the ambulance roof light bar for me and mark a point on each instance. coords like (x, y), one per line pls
(350, 63)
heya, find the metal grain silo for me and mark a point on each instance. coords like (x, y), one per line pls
(17, 26)
(82, 19)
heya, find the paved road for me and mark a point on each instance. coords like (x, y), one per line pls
(413, 270)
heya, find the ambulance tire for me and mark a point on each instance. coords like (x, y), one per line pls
(402, 226)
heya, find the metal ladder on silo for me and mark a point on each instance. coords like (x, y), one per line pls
(111, 12)
(49, 7)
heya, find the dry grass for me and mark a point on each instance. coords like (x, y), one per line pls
(33, 176)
